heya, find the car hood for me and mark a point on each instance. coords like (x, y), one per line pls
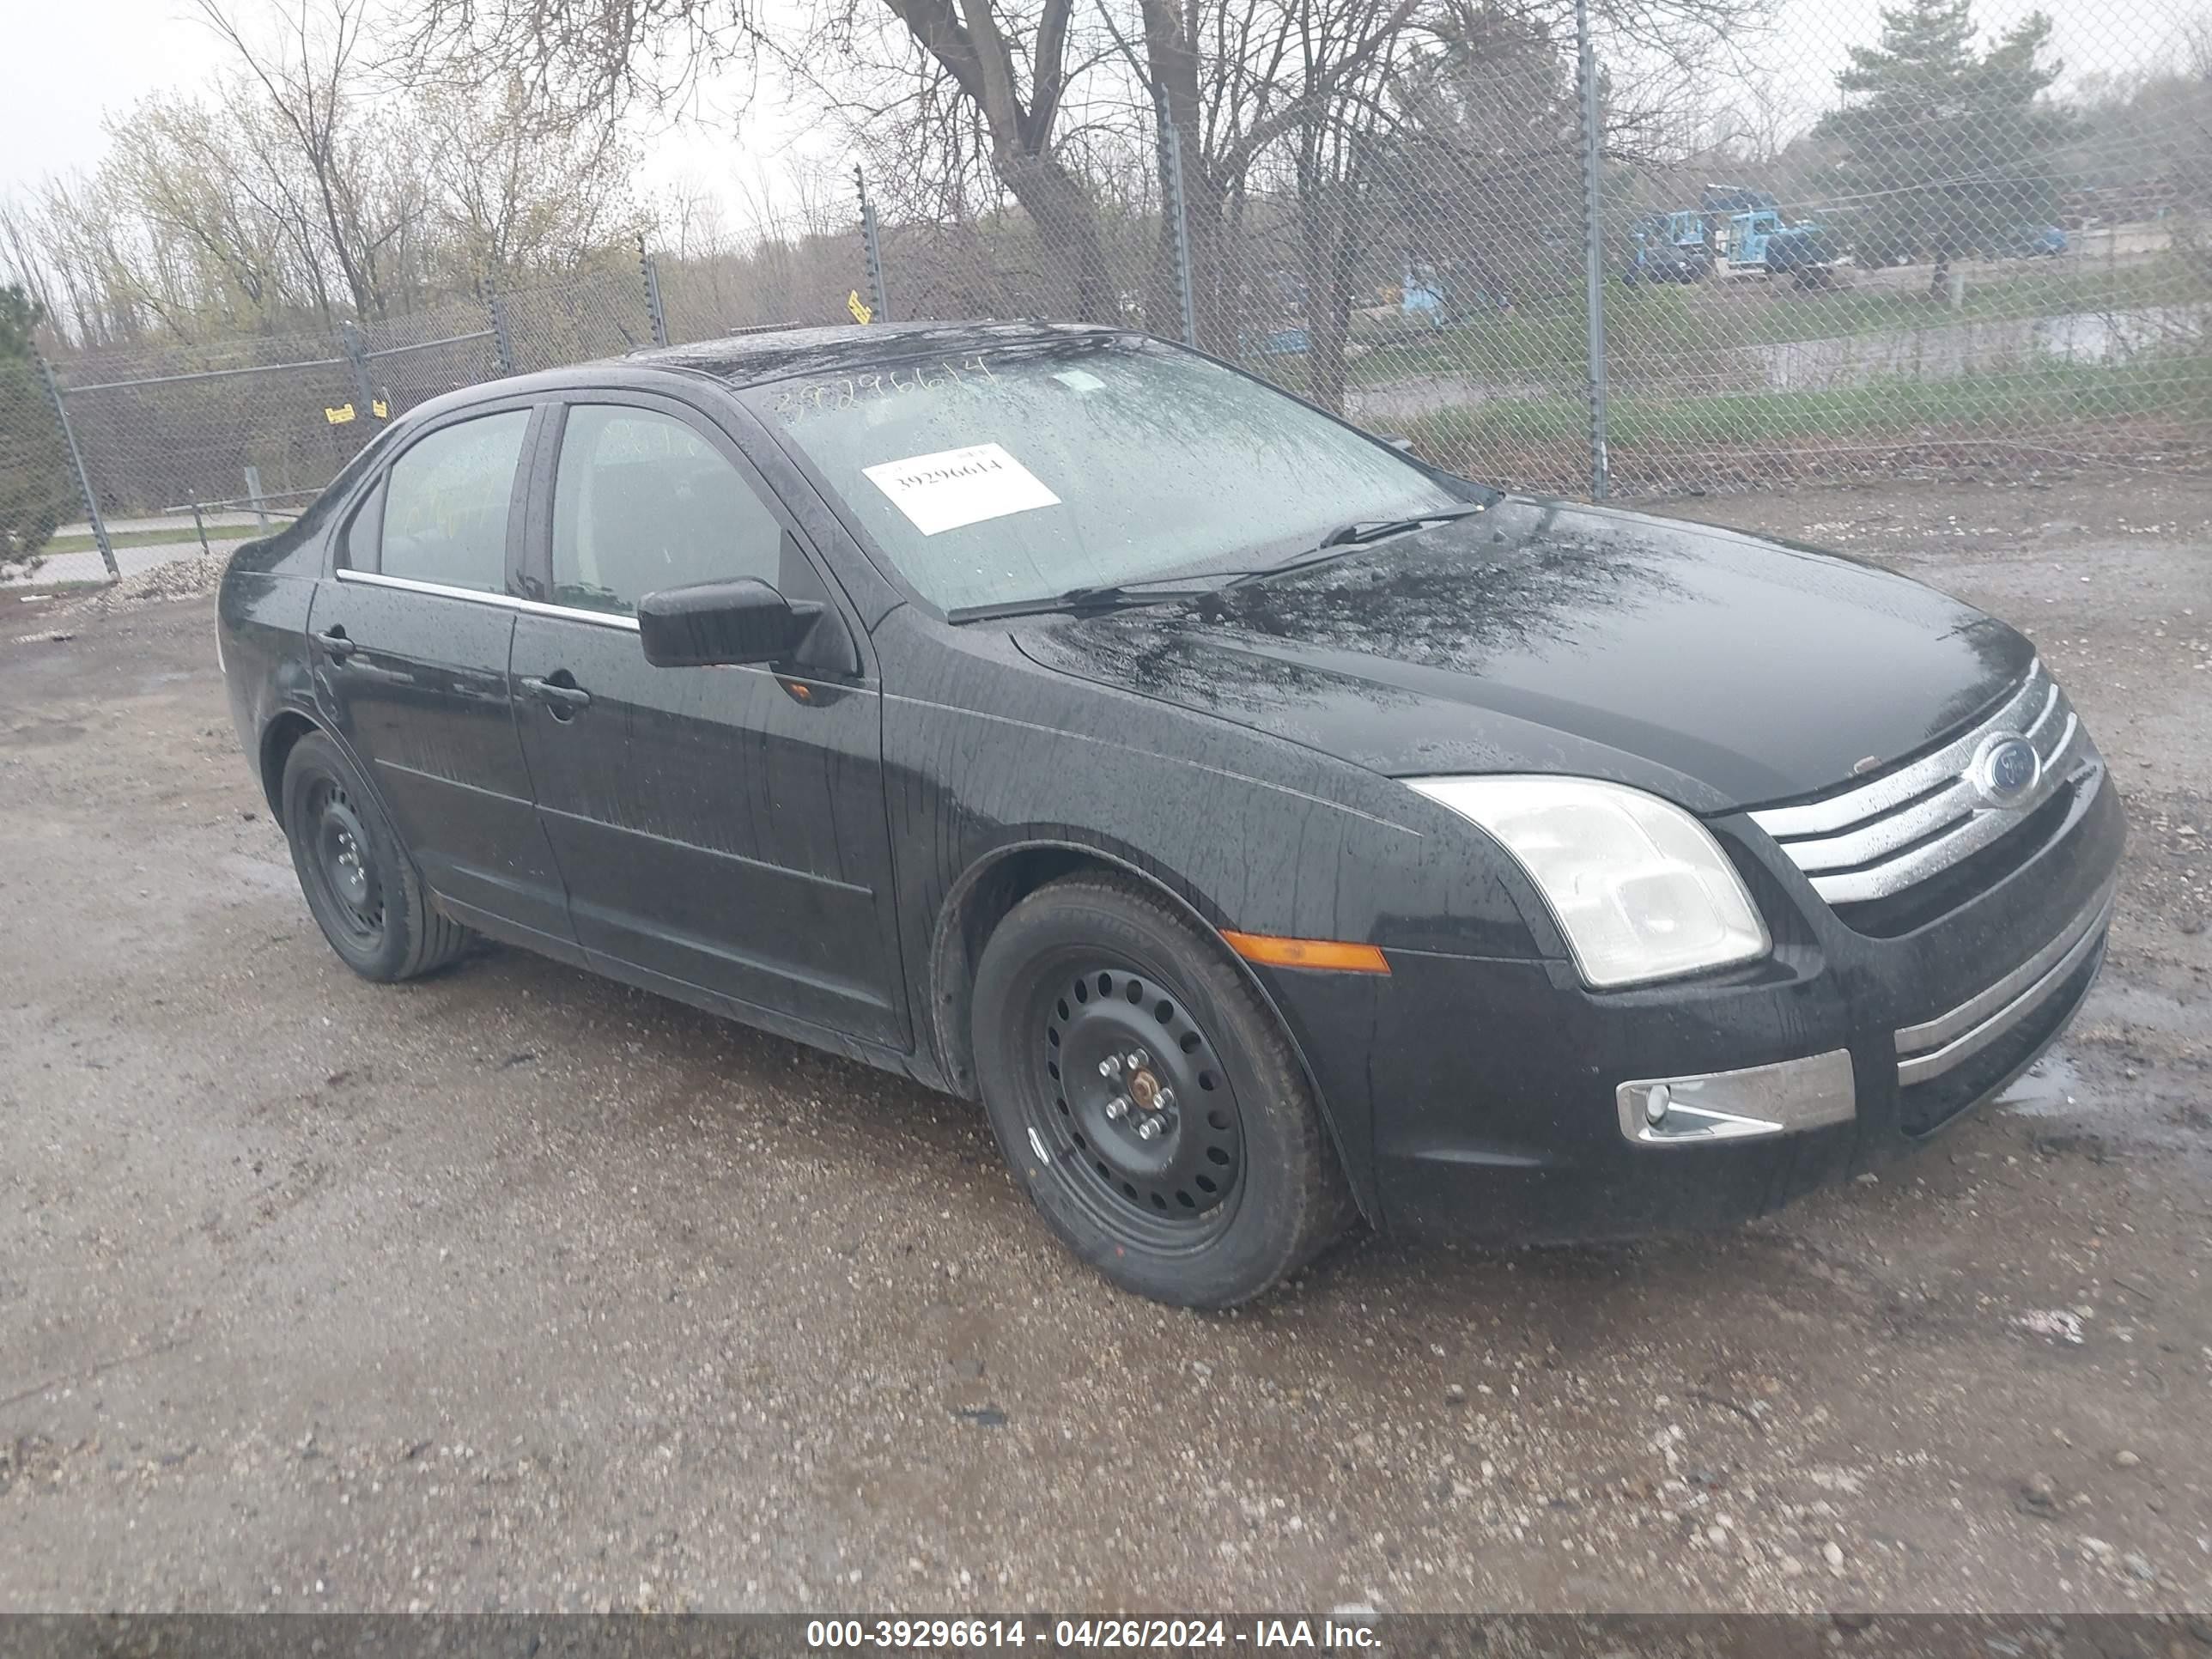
(1718, 668)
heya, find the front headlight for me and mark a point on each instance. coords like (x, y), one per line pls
(1639, 887)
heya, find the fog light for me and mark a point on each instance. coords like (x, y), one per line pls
(1787, 1097)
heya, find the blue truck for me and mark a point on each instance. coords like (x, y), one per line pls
(1670, 248)
(1734, 230)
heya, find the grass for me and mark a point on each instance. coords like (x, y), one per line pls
(2050, 399)
(1544, 338)
(82, 541)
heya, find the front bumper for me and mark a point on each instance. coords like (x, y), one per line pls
(1498, 1101)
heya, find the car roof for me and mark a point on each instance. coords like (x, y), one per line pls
(766, 355)
(777, 354)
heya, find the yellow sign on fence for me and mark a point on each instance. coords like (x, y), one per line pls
(339, 415)
(861, 309)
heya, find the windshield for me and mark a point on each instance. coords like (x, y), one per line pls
(1023, 473)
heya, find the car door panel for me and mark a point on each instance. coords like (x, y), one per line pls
(722, 828)
(422, 699)
(707, 818)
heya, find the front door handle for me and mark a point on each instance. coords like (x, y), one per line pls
(564, 700)
(334, 641)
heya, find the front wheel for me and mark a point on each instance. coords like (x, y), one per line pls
(1147, 1098)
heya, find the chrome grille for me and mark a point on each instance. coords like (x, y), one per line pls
(1881, 837)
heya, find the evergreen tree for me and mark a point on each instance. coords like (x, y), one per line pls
(1948, 152)
(35, 491)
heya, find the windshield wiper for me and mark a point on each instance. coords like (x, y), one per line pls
(1196, 584)
(1360, 532)
(1104, 596)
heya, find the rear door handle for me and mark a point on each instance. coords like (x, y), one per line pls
(562, 700)
(334, 641)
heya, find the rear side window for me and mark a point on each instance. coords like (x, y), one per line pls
(445, 504)
(643, 502)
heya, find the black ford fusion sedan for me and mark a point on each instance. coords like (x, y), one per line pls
(1272, 830)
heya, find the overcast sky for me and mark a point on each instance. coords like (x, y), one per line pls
(70, 63)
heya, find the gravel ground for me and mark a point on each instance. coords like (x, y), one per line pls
(516, 1290)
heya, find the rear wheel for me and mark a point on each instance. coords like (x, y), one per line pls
(360, 883)
(1147, 1098)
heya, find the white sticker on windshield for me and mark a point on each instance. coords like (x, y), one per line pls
(1079, 380)
(955, 487)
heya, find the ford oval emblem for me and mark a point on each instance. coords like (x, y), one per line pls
(2008, 770)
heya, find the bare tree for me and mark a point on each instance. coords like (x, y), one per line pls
(311, 80)
(1006, 60)
(511, 187)
(1236, 78)
(303, 187)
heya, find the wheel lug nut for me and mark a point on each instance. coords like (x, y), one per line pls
(1118, 1108)
(1138, 1060)
(1165, 1102)
(1149, 1129)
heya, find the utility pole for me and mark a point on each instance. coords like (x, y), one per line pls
(1593, 254)
(872, 249)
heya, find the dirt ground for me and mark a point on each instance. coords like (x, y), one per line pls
(515, 1290)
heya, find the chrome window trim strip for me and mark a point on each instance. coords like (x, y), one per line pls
(2077, 945)
(505, 601)
(1852, 806)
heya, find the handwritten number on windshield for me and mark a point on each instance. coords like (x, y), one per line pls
(824, 397)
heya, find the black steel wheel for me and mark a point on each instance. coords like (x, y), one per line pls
(1136, 1106)
(1147, 1097)
(340, 865)
(359, 883)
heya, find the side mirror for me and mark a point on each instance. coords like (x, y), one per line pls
(713, 624)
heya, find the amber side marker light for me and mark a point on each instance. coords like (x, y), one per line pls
(1344, 957)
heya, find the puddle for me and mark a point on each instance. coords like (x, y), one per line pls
(2088, 1101)
(2052, 1087)
(1950, 351)
(1425, 394)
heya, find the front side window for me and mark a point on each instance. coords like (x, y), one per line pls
(445, 504)
(1026, 471)
(642, 503)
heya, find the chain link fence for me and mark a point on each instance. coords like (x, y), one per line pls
(1606, 248)
(1590, 247)
(245, 428)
